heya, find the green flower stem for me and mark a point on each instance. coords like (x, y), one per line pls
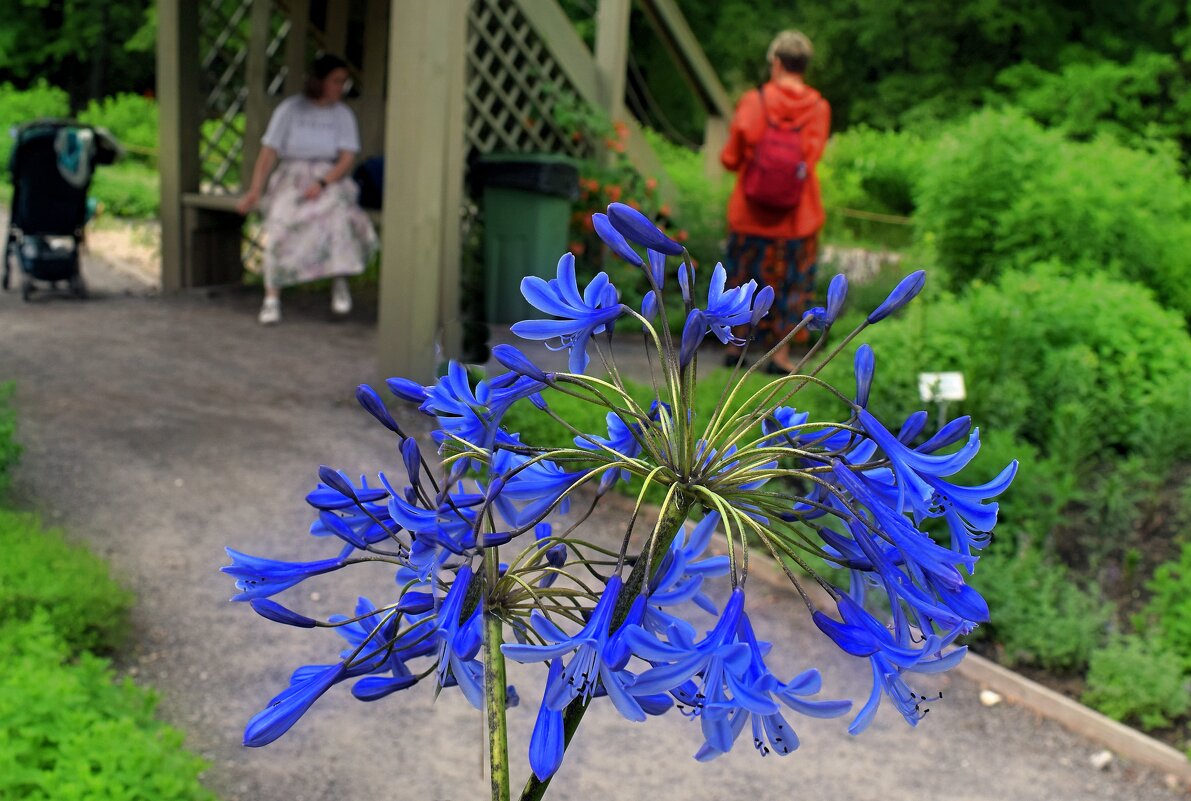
(673, 516)
(495, 687)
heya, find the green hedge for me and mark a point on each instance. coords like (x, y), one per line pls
(1137, 680)
(18, 106)
(40, 570)
(70, 732)
(1001, 193)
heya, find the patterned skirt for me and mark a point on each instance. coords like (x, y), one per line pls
(787, 265)
(310, 239)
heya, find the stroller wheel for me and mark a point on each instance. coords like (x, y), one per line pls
(78, 286)
(26, 290)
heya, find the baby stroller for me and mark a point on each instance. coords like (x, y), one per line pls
(52, 164)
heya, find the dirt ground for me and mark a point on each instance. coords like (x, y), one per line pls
(160, 429)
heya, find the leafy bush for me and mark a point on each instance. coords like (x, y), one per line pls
(874, 170)
(1137, 680)
(1167, 616)
(68, 731)
(1085, 367)
(128, 189)
(41, 571)
(10, 451)
(23, 105)
(1134, 102)
(1003, 194)
(131, 118)
(1039, 616)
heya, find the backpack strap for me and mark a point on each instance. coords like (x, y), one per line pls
(765, 113)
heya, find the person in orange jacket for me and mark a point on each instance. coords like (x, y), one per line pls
(778, 246)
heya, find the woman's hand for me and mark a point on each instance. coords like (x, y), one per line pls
(248, 202)
(314, 190)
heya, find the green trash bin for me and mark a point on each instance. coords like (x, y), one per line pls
(527, 209)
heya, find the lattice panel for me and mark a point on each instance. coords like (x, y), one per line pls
(510, 75)
(223, 46)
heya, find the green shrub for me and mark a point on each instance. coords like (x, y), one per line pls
(1085, 367)
(1039, 615)
(874, 170)
(131, 118)
(128, 189)
(10, 451)
(1167, 616)
(1134, 102)
(1001, 193)
(68, 731)
(41, 571)
(1137, 680)
(19, 106)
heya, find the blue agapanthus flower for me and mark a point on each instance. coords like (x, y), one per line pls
(579, 315)
(641, 619)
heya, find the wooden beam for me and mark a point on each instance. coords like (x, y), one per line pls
(177, 129)
(295, 46)
(455, 99)
(612, 53)
(423, 51)
(335, 35)
(678, 38)
(256, 75)
(558, 33)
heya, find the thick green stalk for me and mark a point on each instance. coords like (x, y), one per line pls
(673, 516)
(495, 689)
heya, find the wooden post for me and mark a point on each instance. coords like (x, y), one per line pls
(256, 75)
(612, 53)
(423, 51)
(455, 98)
(370, 109)
(178, 129)
(335, 35)
(295, 46)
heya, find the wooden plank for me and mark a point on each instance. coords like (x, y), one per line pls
(715, 136)
(612, 54)
(178, 127)
(557, 31)
(295, 46)
(421, 52)
(671, 26)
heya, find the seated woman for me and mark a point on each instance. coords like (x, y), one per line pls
(313, 227)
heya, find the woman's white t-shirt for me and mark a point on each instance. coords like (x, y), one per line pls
(302, 129)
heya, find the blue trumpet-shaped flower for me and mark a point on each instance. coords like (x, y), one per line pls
(459, 641)
(728, 308)
(474, 414)
(580, 315)
(614, 239)
(285, 709)
(598, 659)
(257, 577)
(681, 574)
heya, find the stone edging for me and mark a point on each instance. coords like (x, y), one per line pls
(1067, 712)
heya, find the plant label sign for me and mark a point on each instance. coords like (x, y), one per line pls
(939, 387)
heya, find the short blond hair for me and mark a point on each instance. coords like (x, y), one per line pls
(792, 49)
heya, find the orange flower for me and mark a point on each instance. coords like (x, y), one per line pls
(613, 191)
(634, 204)
(681, 235)
(577, 248)
(664, 210)
(651, 184)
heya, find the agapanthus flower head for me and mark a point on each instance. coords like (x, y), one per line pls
(656, 619)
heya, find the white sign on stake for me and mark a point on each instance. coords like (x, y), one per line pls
(941, 387)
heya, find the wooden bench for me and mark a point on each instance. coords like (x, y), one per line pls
(213, 234)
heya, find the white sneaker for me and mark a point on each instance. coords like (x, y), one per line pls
(270, 312)
(341, 296)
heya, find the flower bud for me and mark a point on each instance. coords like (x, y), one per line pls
(336, 481)
(271, 610)
(412, 458)
(407, 390)
(513, 359)
(613, 239)
(818, 318)
(649, 305)
(864, 374)
(638, 228)
(692, 336)
(372, 403)
(762, 302)
(903, 293)
(686, 277)
(657, 267)
(836, 292)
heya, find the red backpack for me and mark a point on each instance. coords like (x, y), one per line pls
(777, 172)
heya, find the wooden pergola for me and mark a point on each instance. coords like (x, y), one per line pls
(434, 81)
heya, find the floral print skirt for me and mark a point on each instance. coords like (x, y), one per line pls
(310, 239)
(787, 265)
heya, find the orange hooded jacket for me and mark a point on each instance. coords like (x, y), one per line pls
(786, 105)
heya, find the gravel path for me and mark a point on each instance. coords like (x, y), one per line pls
(158, 430)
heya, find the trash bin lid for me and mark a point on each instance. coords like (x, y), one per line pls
(543, 173)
